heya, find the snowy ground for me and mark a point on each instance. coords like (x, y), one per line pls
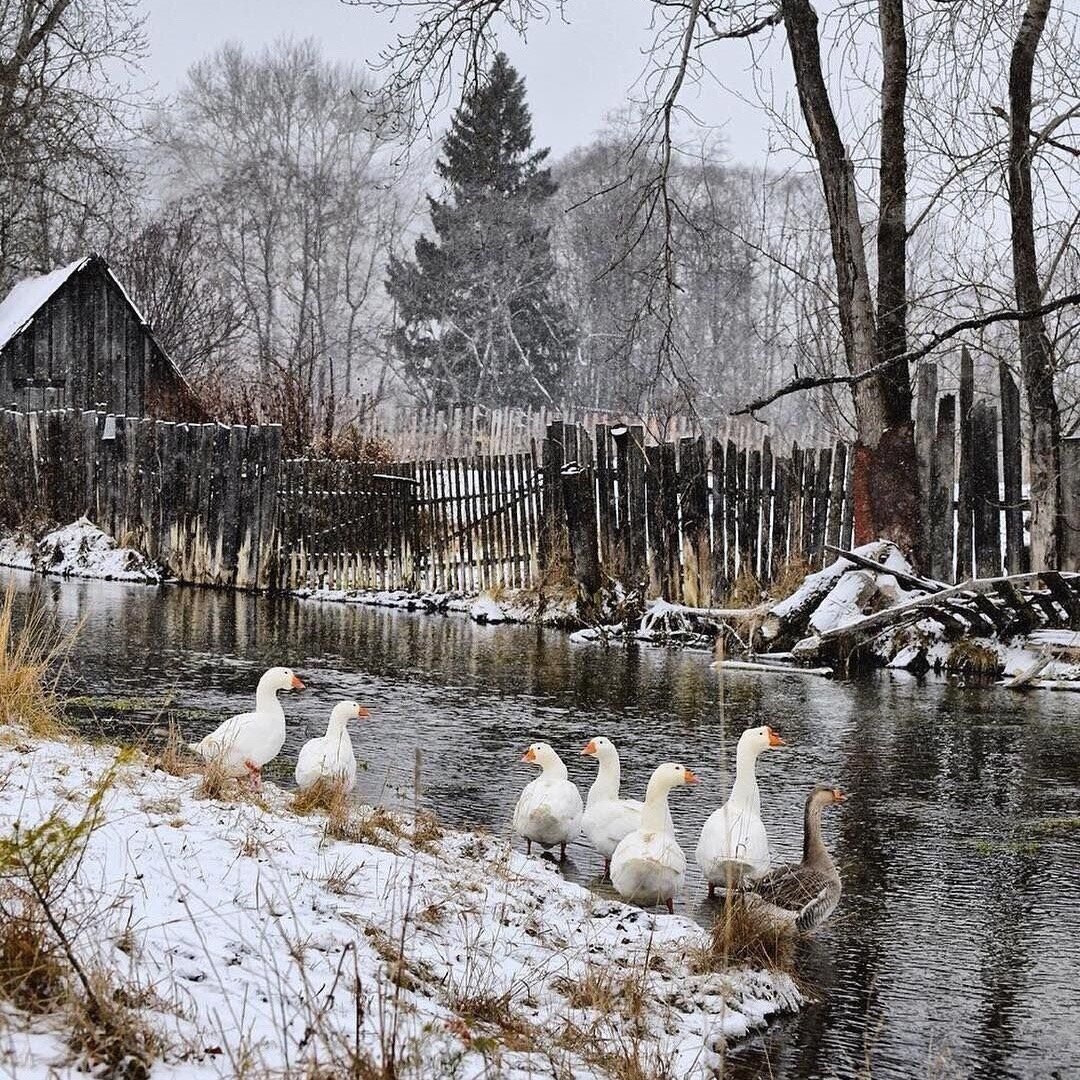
(257, 946)
(80, 549)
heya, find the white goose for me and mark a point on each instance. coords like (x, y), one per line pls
(733, 842)
(549, 809)
(607, 818)
(243, 744)
(648, 866)
(331, 756)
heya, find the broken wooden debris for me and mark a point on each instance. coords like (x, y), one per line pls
(909, 581)
(772, 669)
(1024, 680)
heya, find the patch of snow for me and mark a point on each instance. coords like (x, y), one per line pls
(267, 942)
(80, 549)
(486, 609)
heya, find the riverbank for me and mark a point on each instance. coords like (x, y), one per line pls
(239, 938)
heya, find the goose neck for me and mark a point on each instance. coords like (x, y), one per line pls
(608, 777)
(554, 769)
(814, 850)
(654, 814)
(266, 699)
(745, 789)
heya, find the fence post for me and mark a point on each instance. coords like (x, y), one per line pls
(579, 502)
(1070, 503)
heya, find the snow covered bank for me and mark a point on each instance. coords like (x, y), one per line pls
(511, 607)
(80, 549)
(254, 944)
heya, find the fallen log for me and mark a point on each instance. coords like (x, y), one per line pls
(909, 581)
(1026, 677)
(916, 608)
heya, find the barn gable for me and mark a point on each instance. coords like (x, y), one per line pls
(74, 339)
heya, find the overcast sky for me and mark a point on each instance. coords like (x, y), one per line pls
(575, 74)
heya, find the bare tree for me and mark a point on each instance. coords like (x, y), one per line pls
(287, 159)
(170, 267)
(65, 123)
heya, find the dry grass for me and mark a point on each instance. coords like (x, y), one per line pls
(29, 657)
(340, 876)
(606, 991)
(174, 757)
(214, 782)
(789, 577)
(400, 970)
(325, 796)
(31, 973)
(745, 591)
(971, 658)
(744, 936)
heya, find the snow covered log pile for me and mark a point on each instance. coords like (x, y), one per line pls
(869, 604)
(80, 549)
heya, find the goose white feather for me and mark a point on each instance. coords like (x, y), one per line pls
(243, 744)
(733, 841)
(648, 866)
(330, 757)
(549, 809)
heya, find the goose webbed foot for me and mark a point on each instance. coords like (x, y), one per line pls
(670, 904)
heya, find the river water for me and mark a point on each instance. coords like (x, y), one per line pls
(956, 947)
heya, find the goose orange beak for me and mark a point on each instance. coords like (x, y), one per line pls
(296, 684)
(590, 747)
(839, 796)
(529, 755)
(362, 713)
(774, 738)
(689, 777)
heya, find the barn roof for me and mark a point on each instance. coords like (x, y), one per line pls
(19, 307)
(29, 296)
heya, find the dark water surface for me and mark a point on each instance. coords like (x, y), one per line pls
(956, 947)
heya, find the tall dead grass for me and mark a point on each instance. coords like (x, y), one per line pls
(31, 651)
(744, 936)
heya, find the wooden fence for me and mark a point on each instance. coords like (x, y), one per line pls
(199, 498)
(684, 518)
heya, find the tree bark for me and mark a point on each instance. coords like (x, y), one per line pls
(1036, 352)
(885, 478)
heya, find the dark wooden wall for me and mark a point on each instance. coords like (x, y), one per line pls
(86, 348)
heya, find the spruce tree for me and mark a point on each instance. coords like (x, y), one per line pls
(478, 318)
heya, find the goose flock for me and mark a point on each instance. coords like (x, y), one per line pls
(636, 839)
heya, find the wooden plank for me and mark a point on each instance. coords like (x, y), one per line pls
(925, 432)
(965, 513)
(1017, 556)
(1063, 595)
(942, 484)
(731, 513)
(637, 525)
(809, 491)
(767, 493)
(985, 493)
(836, 494)
(821, 503)
(694, 496)
(1070, 503)
(782, 495)
(655, 517)
(718, 555)
(1021, 611)
(753, 509)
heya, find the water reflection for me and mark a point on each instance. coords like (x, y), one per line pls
(954, 950)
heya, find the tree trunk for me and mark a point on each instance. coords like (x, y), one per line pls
(1036, 352)
(885, 478)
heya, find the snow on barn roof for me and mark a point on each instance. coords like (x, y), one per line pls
(26, 299)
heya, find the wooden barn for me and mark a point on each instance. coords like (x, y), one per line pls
(72, 339)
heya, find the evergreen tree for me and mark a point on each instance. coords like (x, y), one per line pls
(477, 315)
